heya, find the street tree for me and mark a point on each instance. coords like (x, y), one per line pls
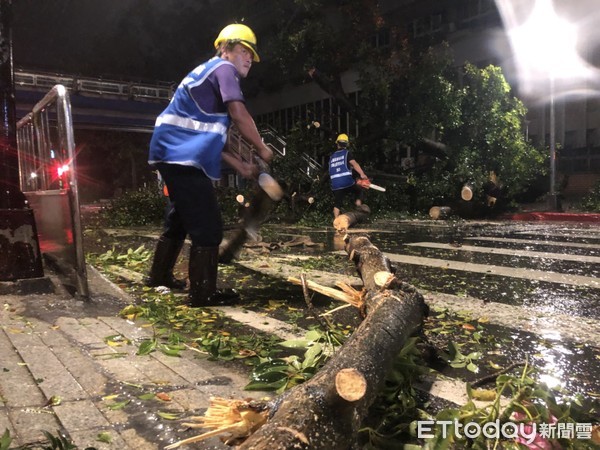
(489, 142)
(459, 127)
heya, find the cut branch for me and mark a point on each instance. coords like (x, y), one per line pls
(327, 291)
(326, 411)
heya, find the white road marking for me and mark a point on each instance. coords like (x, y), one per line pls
(510, 252)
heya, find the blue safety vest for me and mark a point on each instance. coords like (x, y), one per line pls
(185, 134)
(339, 171)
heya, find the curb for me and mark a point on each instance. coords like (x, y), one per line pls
(553, 216)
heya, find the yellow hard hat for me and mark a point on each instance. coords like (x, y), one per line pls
(342, 138)
(238, 32)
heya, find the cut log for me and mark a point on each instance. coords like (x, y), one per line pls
(326, 412)
(440, 212)
(346, 220)
(466, 193)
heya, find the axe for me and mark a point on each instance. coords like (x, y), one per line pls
(266, 181)
(263, 201)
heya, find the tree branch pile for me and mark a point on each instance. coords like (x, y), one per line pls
(326, 411)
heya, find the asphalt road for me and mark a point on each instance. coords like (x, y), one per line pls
(534, 283)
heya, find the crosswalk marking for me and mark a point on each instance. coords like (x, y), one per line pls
(510, 252)
(572, 233)
(528, 274)
(269, 325)
(514, 316)
(532, 242)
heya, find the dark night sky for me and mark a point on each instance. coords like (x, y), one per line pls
(143, 39)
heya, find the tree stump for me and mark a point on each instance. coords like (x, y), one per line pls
(326, 411)
(346, 220)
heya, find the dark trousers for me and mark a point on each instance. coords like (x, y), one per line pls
(194, 207)
(340, 194)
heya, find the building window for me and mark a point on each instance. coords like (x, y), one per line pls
(571, 139)
(427, 25)
(381, 39)
(591, 137)
(475, 9)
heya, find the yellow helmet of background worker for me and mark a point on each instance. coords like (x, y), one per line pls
(237, 32)
(342, 138)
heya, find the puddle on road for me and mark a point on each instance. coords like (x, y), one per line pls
(564, 366)
(540, 296)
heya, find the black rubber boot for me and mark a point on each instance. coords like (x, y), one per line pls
(165, 256)
(203, 279)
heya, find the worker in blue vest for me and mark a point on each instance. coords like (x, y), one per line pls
(341, 165)
(187, 146)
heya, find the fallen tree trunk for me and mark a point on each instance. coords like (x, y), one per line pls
(326, 411)
(346, 220)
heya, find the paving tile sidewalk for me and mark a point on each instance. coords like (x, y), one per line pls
(57, 370)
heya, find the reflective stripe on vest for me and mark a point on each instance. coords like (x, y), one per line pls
(191, 124)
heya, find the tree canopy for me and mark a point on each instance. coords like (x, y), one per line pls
(463, 124)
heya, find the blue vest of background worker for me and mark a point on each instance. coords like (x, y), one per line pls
(341, 164)
(187, 146)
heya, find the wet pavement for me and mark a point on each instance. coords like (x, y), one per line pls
(538, 284)
(535, 284)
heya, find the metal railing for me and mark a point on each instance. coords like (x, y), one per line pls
(277, 143)
(97, 87)
(242, 147)
(313, 168)
(272, 139)
(48, 178)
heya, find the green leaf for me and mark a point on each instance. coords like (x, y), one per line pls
(474, 355)
(312, 355)
(5, 440)
(270, 376)
(168, 415)
(169, 350)
(104, 437)
(147, 347)
(148, 396)
(314, 335)
(260, 386)
(472, 367)
(118, 405)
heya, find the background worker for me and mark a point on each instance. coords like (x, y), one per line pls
(341, 164)
(187, 145)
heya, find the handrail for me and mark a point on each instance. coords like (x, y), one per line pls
(245, 149)
(160, 91)
(272, 139)
(277, 143)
